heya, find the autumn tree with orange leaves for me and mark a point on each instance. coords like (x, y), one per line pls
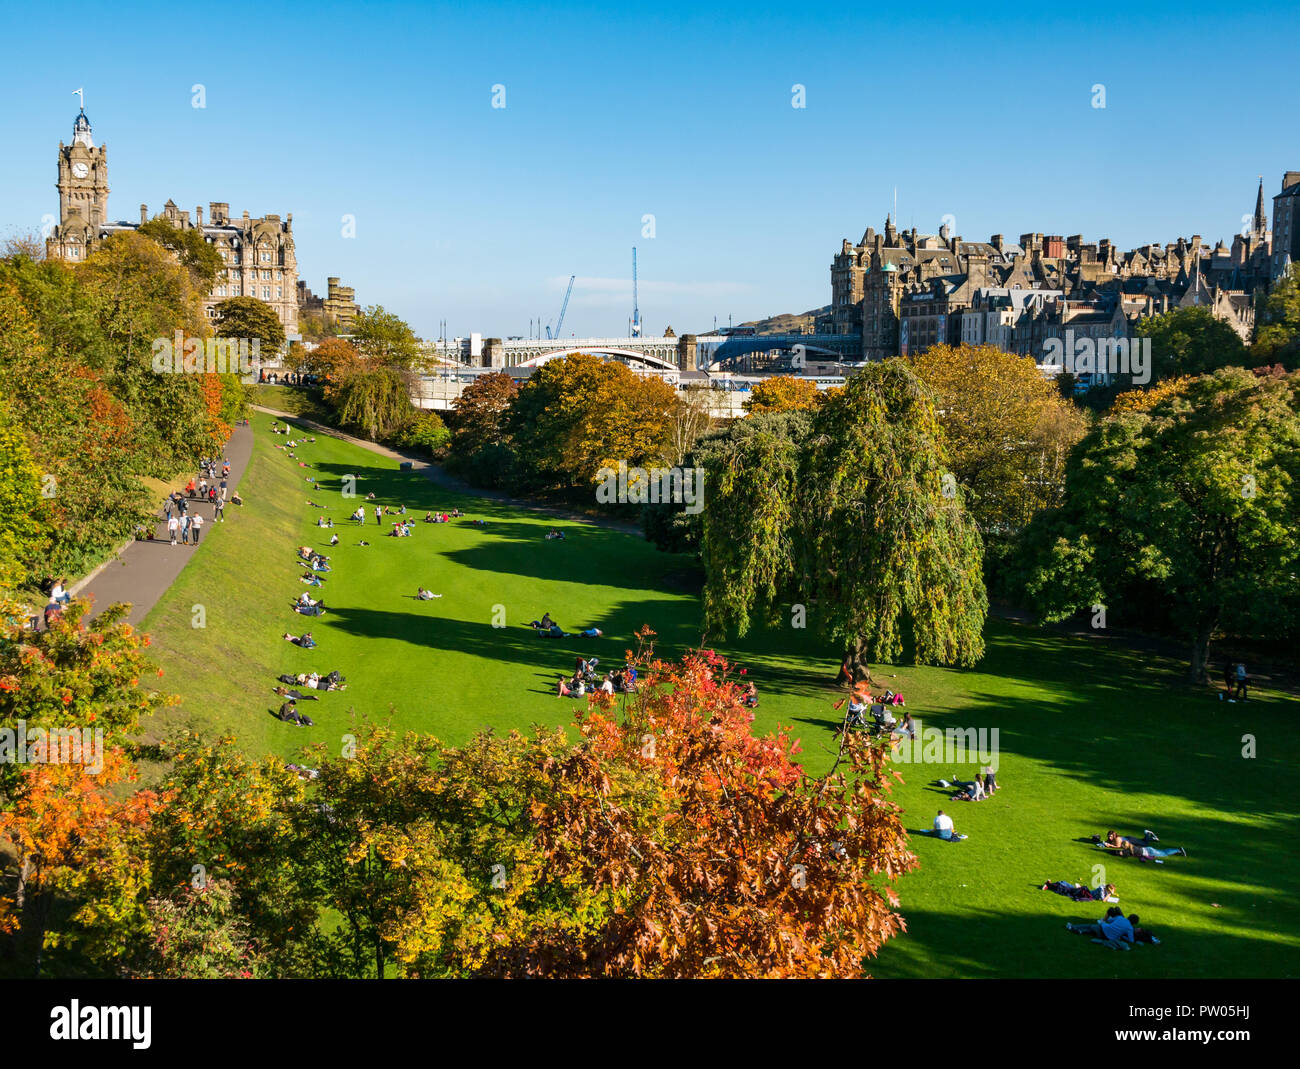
(717, 854)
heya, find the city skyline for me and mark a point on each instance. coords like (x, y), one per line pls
(478, 215)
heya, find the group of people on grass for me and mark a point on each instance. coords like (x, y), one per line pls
(584, 680)
(306, 605)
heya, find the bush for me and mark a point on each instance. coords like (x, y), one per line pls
(426, 433)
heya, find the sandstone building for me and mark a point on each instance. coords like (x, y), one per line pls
(258, 253)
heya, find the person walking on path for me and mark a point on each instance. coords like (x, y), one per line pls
(196, 525)
(223, 489)
(1242, 680)
(173, 525)
(185, 530)
(219, 511)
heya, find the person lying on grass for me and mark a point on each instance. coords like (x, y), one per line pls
(1115, 930)
(1081, 893)
(305, 641)
(285, 692)
(425, 595)
(1113, 927)
(309, 610)
(315, 681)
(306, 599)
(1143, 851)
(311, 579)
(966, 792)
(552, 535)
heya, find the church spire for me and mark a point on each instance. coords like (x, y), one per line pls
(1261, 220)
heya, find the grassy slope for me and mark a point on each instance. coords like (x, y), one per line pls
(1091, 736)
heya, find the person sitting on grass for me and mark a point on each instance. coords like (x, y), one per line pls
(544, 624)
(428, 517)
(906, 729)
(553, 534)
(334, 539)
(306, 599)
(1080, 892)
(289, 713)
(425, 595)
(944, 829)
(750, 698)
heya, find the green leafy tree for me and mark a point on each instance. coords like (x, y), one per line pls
(1007, 431)
(386, 339)
(1192, 503)
(857, 522)
(1277, 331)
(1190, 341)
(199, 258)
(247, 317)
(197, 934)
(373, 400)
(234, 820)
(579, 413)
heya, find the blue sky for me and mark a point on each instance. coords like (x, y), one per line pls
(478, 215)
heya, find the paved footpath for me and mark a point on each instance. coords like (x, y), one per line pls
(143, 571)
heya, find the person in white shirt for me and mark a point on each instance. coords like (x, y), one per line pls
(608, 685)
(59, 593)
(196, 527)
(943, 826)
(173, 524)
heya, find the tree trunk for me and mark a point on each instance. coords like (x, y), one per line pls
(855, 668)
(1198, 672)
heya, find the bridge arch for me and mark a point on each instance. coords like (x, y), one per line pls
(626, 356)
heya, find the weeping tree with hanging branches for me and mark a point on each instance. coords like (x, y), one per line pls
(852, 513)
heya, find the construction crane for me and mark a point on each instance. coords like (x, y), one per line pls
(563, 308)
(636, 311)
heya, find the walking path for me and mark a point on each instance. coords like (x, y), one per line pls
(141, 573)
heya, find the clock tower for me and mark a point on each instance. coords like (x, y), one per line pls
(83, 193)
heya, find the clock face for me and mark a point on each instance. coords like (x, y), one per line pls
(80, 170)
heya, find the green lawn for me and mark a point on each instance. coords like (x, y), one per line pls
(1091, 735)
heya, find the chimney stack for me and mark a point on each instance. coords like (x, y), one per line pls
(144, 214)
